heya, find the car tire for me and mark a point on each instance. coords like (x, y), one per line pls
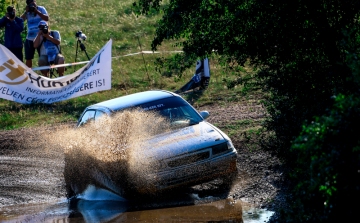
(228, 181)
(68, 188)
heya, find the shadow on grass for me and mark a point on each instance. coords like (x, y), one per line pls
(192, 96)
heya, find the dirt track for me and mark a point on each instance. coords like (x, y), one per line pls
(30, 174)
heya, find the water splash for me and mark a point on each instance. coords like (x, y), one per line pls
(110, 150)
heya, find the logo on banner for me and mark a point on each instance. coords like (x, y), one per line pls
(13, 73)
(21, 84)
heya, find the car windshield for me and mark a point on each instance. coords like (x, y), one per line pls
(175, 109)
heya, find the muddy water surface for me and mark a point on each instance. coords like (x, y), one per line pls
(115, 211)
(32, 182)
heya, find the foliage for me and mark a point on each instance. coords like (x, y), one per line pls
(328, 154)
(328, 159)
(300, 49)
(3, 6)
(176, 64)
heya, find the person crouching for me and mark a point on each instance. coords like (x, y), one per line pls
(47, 42)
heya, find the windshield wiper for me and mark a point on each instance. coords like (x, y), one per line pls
(193, 123)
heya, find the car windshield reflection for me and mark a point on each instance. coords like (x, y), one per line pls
(174, 109)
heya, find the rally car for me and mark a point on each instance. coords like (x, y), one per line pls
(193, 153)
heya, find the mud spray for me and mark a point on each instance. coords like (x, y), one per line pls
(109, 151)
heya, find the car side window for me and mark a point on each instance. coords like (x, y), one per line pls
(99, 114)
(176, 113)
(88, 115)
(185, 112)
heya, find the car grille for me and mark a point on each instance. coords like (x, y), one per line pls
(199, 156)
(192, 158)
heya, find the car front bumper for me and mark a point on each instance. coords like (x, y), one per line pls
(196, 173)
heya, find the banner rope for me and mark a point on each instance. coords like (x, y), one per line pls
(84, 62)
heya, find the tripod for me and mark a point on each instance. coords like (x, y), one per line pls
(82, 47)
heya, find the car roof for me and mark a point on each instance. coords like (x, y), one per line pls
(133, 99)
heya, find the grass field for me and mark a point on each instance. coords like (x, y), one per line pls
(100, 21)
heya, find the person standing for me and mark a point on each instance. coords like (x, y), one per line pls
(33, 14)
(13, 27)
(48, 42)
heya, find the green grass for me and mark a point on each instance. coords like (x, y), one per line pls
(100, 21)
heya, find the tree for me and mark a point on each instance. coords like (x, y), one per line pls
(301, 49)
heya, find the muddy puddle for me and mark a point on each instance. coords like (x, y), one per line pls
(120, 211)
(32, 184)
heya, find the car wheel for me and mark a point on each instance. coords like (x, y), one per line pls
(68, 178)
(228, 181)
(69, 191)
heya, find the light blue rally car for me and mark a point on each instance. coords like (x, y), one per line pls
(191, 154)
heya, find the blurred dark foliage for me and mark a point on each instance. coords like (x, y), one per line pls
(306, 54)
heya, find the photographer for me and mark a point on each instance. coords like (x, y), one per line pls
(33, 14)
(48, 44)
(13, 28)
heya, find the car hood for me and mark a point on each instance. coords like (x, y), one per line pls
(185, 140)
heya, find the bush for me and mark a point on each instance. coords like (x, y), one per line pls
(326, 171)
(327, 166)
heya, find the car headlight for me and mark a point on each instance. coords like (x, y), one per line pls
(230, 145)
(222, 148)
(158, 165)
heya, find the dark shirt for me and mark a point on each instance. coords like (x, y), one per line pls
(13, 30)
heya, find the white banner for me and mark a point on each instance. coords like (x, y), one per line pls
(21, 84)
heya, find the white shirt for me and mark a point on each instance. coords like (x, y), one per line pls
(33, 22)
(56, 35)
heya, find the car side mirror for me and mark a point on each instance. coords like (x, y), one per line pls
(204, 114)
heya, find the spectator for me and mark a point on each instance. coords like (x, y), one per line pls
(33, 14)
(13, 28)
(48, 44)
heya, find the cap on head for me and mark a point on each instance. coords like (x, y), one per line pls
(42, 23)
(29, 1)
(10, 8)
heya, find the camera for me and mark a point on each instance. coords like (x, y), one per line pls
(11, 12)
(31, 5)
(44, 28)
(80, 36)
(12, 15)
